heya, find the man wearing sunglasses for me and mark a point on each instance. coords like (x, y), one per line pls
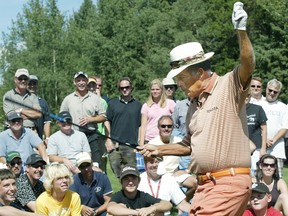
(259, 202)
(256, 90)
(14, 162)
(21, 95)
(18, 138)
(29, 186)
(277, 123)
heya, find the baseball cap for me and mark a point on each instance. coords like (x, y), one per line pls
(11, 155)
(34, 158)
(22, 72)
(168, 81)
(13, 115)
(65, 116)
(80, 73)
(33, 77)
(83, 157)
(260, 187)
(129, 170)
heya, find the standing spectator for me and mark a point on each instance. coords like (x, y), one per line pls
(130, 201)
(99, 87)
(96, 87)
(21, 95)
(29, 184)
(179, 130)
(65, 144)
(277, 124)
(8, 194)
(216, 139)
(58, 199)
(124, 120)
(257, 128)
(256, 91)
(93, 187)
(259, 202)
(170, 88)
(268, 174)
(86, 110)
(18, 138)
(42, 124)
(156, 106)
(14, 162)
(162, 186)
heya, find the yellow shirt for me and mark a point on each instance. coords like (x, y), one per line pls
(69, 206)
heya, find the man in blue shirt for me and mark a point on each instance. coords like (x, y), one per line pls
(94, 188)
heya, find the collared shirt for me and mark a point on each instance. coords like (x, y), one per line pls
(80, 107)
(218, 132)
(26, 192)
(30, 100)
(24, 145)
(179, 117)
(92, 195)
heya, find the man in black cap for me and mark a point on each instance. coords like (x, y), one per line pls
(65, 144)
(259, 202)
(29, 186)
(18, 138)
(130, 201)
(86, 110)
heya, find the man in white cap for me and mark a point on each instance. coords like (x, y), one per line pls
(216, 121)
(86, 110)
(23, 99)
(170, 87)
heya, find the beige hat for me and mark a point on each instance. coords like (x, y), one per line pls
(22, 72)
(186, 55)
(83, 157)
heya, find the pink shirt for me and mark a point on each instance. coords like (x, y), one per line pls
(153, 114)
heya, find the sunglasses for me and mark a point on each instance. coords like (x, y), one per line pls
(84, 166)
(169, 87)
(273, 166)
(124, 87)
(270, 91)
(256, 86)
(19, 163)
(36, 166)
(164, 126)
(259, 196)
(22, 78)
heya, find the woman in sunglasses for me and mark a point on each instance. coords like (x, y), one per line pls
(267, 173)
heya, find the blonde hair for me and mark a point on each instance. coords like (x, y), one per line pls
(54, 171)
(163, 98)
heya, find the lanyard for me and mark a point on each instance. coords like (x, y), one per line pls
(158, 187)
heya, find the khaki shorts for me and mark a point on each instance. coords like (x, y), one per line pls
(226, 195)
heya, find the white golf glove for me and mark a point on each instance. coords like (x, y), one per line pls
(239, 16)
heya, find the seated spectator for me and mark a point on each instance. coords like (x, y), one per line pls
(267, 173)
(14, 162)
(94, 188)
(162, 186)
(8, 194)
(65, 144)
(130, 201)
(18, 138)
(58, 199)
(29, 184)
(259, 200)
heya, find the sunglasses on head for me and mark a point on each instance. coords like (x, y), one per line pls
(124, 87)
(270, 91)
(164, 126)
(256, 86)
(19, 163)
(267, 165)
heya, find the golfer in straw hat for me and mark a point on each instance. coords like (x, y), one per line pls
(216, 122)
